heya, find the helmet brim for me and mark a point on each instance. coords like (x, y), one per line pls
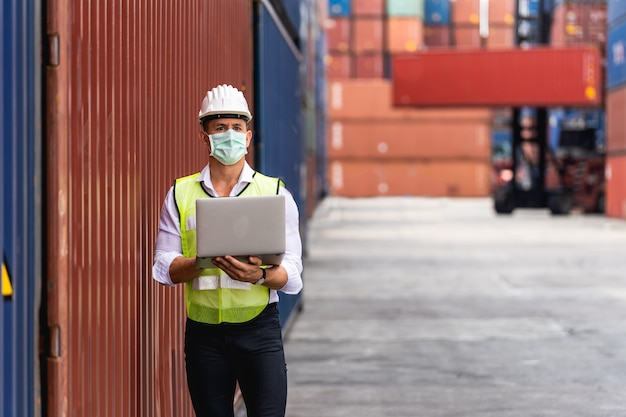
(217, 115)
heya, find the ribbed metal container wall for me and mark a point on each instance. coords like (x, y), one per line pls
(123, 98)
(548, 77)
(21, 206)
(279, 118)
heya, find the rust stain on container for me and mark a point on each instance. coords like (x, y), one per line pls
(569, 76)
(121, 123)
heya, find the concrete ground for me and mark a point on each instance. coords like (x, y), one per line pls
(418, 307)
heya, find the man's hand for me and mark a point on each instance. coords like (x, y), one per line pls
(240, 271)
(183, 269)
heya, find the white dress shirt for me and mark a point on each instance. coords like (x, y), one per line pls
(169, 246)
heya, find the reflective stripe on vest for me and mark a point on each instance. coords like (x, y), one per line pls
(220, 304)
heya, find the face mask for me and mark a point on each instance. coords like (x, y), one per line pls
(228, 147)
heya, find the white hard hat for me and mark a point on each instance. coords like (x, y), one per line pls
(224, 101)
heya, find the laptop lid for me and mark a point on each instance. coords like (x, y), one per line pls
(240, 227)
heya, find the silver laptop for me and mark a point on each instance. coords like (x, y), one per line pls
(240, 227)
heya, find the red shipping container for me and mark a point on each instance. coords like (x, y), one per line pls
(369, 66)
(542, 77)
(368, 35)
(437, 178)
(436, 36)
(404, 34)
(422, 139)
(372, 100)
(615, 174)
(616, 120)
(338, 34)
(121, 124)
(338, 66)
(367, 7)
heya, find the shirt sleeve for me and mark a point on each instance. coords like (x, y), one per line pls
(292, 261)
(168, 242)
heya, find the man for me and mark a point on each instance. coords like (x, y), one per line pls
(232, 330)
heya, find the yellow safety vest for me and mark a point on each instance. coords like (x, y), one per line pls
(221, 304)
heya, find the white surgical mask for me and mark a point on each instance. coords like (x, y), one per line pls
(228, 147)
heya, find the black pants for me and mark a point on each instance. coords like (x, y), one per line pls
(219, 355)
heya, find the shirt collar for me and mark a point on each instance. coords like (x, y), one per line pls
(246, 177)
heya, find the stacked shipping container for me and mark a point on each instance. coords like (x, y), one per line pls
(578, 22)
(616, 110)
(379, 152)
(113, 124)
(465, 24)
(375, 149)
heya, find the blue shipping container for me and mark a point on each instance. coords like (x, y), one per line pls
(616, 11)
(530, 8)
(437, 12)
(339, 8)
(21, 186)
(616, 56)
(293, 10)
(278, 137)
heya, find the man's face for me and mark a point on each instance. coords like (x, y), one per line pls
(214, 126)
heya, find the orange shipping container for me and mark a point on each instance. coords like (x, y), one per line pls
(338, 66)
(468, 11)
(502, 12)
(368, 35)
(369, 178)
(616, 186)
(501, 36)
(426, 139)
(404, 34)
(369, 66)
(616, 120)
(367, 7)
(338, 35)
(466, 36)
(465, 11)
(372, 100)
